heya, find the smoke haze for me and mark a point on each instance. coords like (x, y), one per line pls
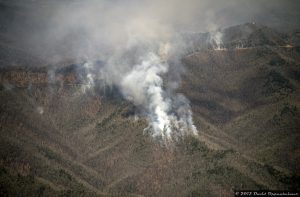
(56, 30)
(138, 41)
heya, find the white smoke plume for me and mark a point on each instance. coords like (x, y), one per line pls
(138, 67)
(90, 76)
(144, 86)
(140, 50)
(137, 41)
(216, 40)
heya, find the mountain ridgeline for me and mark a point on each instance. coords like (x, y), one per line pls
(58, 141)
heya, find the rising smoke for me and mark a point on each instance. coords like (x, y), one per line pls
(168, 116)
(138, 42)
(137, 68)
(139, 49)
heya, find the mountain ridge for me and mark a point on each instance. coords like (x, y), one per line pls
(58, 141)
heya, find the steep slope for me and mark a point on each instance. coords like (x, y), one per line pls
(57, 140)
(252, 98)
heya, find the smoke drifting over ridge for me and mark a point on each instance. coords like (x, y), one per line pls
(136, 55)
(138, 46)
(138, 41)
(56, 30)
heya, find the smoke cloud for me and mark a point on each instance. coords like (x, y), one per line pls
(138, 43)
(58, 30)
